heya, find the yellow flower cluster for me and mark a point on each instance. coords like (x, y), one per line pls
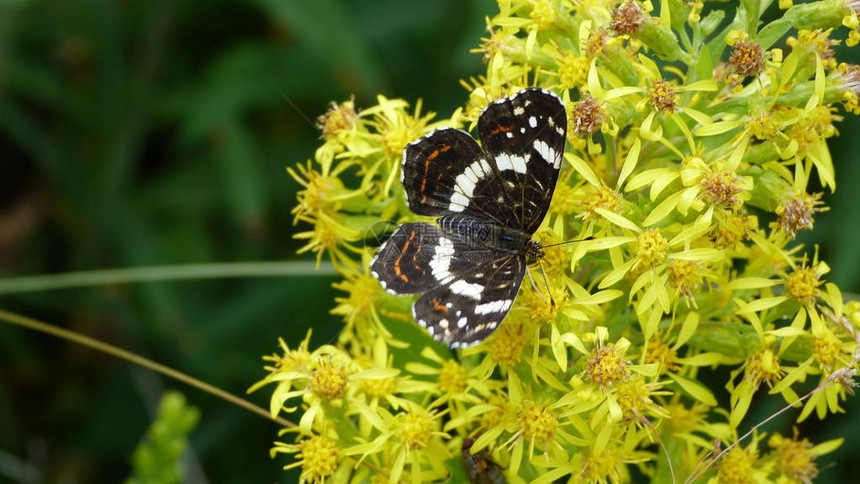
(686, 128)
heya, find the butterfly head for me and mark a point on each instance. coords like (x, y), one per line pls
(533, 250)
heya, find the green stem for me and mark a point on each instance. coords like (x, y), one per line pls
(97, 345)
(163, 273)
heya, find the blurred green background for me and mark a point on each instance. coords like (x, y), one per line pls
(155, 132)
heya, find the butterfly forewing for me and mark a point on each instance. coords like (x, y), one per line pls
(446, 172)
(524, 137)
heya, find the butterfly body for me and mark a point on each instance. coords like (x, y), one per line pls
(488, 200)
(503, 239)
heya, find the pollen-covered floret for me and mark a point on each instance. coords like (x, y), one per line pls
(747, 58)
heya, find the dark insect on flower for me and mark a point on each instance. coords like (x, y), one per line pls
(479, 467)
(489, 200)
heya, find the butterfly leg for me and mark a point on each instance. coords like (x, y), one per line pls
(538, 290)
(546, 282)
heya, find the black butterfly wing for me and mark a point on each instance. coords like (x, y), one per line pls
(402, 264)
(420, 256)
(446, 172)
(469, 285)
(524, 137)
(466, 312)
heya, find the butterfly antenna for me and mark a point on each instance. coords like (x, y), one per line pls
(590, 237)
(546, 281)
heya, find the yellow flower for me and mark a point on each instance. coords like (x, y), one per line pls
(317, 455)
(796, 212)
(454, 384)
(847, 78)
(627, 19)
(394, 126)
(794, 458)
(290, 362)
(747, 58)
(321, 193)
(651, 248)
(506, 345)
(572, 71)
(663, 355)
(740, 466)
(338, 118)
(672, 150)
(763, 367)
(607, 466)
(362, 291)
(606, 365)
(332, 234)
(603, 198)
(802, 284)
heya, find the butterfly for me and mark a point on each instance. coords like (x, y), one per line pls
(479, 467)
(489, 200)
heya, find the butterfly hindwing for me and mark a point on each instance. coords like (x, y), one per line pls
(524, 136)
(419, 256)
(402, 264)
(466, 317)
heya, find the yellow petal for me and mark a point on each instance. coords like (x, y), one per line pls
(698, 116)
(751, 283)
(719, 127)
(574, 341)
(604, 243)
(702, 359)
(650, 369)
(704, 85)
(630, 162)
(583, 169)
(745, 393)
(827, 447)
(647, 131)
(662, 210)
(702, 254)
(620, 91)
(594, 86)
(559, 352)
(616, 274)
(786, 331)
(600, 297)
(688, 329)
(617, 219)
(695, 389)
(762, 304)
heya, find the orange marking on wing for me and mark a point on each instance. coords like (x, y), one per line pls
(426, 169)
(501, 128)
(397, 269)
(439, 306)
(432, 156)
